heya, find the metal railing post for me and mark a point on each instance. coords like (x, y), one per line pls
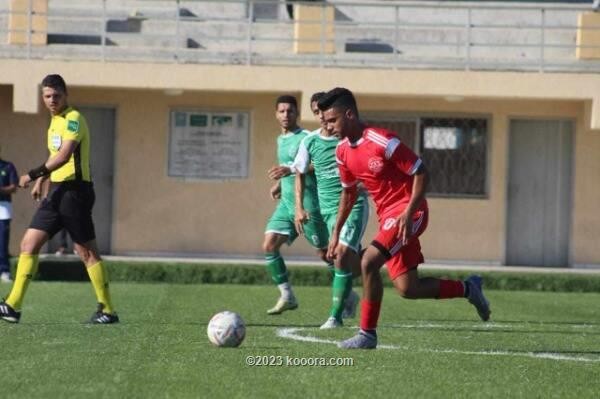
(29, 26)
(542, 39)
(396, 36)
(103, 31)
(177, 27)
(468, 42)
(249, 32)
(323, 35)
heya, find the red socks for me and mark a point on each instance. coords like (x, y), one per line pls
(451, 289)
(369, 314)
(369, 310)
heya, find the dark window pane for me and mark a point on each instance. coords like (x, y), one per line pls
(455, 152)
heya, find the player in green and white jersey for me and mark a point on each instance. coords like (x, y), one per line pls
(281, 226)
(318, 149)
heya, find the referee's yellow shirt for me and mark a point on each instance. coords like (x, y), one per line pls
(70, 125)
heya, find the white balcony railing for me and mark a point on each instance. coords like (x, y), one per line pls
(377, 34)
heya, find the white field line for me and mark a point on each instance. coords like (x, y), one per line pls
(491, 325)
(293, 334)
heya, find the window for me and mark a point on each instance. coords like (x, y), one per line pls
(453, 149)
(208, 144)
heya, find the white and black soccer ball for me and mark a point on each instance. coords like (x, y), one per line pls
(226, 329)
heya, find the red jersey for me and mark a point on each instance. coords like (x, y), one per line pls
(384, 165)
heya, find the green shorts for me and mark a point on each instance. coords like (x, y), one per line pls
(315, 229)
(354, 228)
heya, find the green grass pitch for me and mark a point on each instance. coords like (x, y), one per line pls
(537, 345)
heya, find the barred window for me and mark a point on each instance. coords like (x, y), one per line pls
(455, 152)
(453, 149)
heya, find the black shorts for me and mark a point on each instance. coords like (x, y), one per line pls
(68, 206)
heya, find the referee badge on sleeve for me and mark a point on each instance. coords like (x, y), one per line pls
(56, 141)
(73, 126)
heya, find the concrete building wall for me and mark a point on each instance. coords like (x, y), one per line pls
(154, 213)
(586, 197)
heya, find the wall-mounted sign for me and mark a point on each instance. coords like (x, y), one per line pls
(209, 144)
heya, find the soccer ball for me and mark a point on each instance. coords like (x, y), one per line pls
(226, 329)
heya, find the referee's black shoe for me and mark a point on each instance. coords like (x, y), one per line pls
(7, 313)
(99, 317)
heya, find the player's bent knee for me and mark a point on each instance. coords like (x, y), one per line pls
(31, 244)
(84, 254)
(406, 292)
(266, 247)
(405, 289)
(26, 247)
(88, 256)
(369, 267)
(343, 250)
(270, 246)
(323, 254)
(273, 242)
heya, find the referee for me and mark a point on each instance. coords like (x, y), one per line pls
(68, 204)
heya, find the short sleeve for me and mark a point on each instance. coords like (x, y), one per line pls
(402, 156)
(74, 128)
(302, 160)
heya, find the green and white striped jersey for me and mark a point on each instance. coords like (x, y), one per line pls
(287, 148)
(320, 150)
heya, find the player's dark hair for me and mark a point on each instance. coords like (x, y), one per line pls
(286, 99)
(339, 98)
(317, 96)
(56, 82)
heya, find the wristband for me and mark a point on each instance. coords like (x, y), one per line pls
(40, 171)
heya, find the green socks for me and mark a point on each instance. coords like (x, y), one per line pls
(276, 267)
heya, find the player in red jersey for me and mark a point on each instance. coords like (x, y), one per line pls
(397, 179)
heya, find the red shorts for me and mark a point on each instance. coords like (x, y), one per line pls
(401, 256)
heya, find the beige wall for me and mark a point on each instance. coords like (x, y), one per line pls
(585, 247)
(157, 214)
(22, 137)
